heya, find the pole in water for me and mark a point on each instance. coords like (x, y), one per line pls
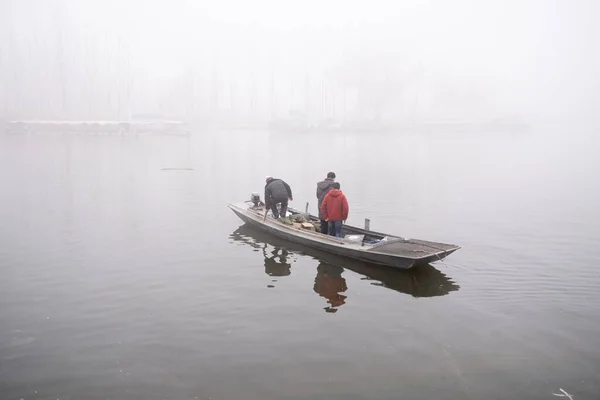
(367, 224)
(306, 211)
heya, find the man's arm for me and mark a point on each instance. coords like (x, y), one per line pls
(289, 190)
(267, 197)
(324, 208)
(345, 208)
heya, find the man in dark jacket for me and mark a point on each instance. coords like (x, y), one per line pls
(277, 192)
(335, 210)
(323, 188)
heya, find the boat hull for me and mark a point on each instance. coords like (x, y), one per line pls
(424, 281)
(335, 245)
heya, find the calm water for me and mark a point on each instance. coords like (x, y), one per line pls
(120, 280)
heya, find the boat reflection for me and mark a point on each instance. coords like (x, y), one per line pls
(422, 281)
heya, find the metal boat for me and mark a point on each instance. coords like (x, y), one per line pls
(357, 243)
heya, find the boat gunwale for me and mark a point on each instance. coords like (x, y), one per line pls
(328, 240)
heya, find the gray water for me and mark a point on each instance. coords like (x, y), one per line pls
(121, 280)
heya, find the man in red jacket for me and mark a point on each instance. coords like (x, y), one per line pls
(334, 210)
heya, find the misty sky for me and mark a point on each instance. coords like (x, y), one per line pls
(78, 58)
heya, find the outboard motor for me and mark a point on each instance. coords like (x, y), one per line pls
(255, 198)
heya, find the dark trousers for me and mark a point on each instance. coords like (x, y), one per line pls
(284, 205)
(335, 228)
(324, 227)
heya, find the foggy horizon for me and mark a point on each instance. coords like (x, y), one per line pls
(264, 61)
(271, 200)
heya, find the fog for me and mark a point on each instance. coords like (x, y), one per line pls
(263, 61)
(131, 129)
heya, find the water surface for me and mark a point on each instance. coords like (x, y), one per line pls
(122, 280)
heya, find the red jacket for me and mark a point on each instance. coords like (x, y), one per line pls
(335, 206)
